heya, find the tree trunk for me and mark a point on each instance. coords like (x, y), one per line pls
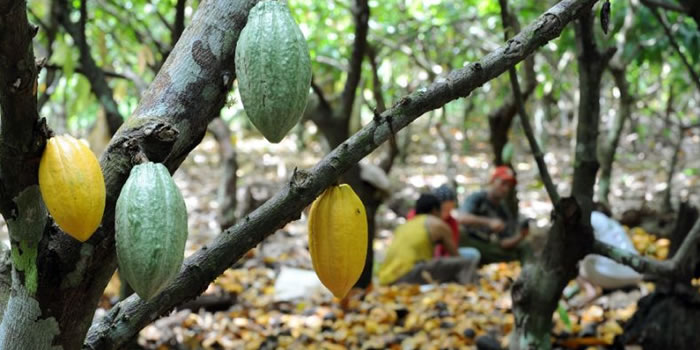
(539, 287)
(666, 206)
(677, 304)
(226, 192)
(664, 320)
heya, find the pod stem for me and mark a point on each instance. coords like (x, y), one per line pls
(139, 158)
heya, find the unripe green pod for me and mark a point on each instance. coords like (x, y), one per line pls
(273, 68)
(151, 229)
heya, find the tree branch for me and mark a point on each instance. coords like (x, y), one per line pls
(387, 160)
(203, 266)
(680, 267)
(665, 5)
(637, 262)
(525, 119)
(591, 64)
(51, 29)
(80, 70)
(94, 74)
(321, 98)
(179, 24)
(667, 29)
(361, 15)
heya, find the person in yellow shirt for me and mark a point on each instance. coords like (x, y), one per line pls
(409, 258)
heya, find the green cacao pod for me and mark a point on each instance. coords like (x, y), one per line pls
(273, 69)
(151, 229)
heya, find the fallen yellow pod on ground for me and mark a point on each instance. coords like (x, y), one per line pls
(338, 238)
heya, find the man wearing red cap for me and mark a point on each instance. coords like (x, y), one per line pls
(489, 226)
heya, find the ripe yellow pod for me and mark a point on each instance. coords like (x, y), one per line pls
(338, 238)
(72, 186)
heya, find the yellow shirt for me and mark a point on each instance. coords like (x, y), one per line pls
(411, 245)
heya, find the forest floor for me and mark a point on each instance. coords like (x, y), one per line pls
(251, 306)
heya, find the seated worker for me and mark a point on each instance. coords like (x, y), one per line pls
(488, 224)
(448, 200)
(410, 256)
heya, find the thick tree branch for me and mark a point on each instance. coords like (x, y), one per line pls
(669, 34)
(681, 266)
(204, 265)
(641, 264)
(94, 74)
(524, 118)
(361, 14)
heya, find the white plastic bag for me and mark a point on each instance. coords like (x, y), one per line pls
(293, 283)
(602, 271)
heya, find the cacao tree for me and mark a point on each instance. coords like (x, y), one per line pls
(171, 118)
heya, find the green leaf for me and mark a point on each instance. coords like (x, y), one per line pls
(564, 316)
(691, 171)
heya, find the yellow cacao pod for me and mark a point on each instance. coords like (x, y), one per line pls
(72, 186)
(338, 238)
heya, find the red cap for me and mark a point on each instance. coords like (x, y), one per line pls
(504, 173)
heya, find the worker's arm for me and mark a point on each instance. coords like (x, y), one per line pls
(493, 224)
(468, 218)
(510, 242)
(440, 232)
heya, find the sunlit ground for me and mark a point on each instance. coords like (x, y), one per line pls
(397, 317)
